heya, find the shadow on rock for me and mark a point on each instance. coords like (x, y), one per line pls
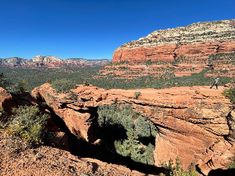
(221, 172)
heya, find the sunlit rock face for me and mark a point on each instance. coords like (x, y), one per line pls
(196, 42)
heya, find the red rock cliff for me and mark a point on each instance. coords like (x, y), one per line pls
(196, 42)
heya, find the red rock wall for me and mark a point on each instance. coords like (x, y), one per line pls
(169, 52)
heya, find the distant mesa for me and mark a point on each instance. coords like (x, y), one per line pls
(46, 59)
(51, 62)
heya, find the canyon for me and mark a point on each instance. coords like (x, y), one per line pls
(192, 125)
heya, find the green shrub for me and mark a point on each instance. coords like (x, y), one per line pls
(63, 85)
(137, 94)
(176, 169)
(144, 128)
(19, 87)
(2, 119)
(232, 165)
(4, 82)
(149, 62)
(1, 125)
(136, 128)
(28, 123)
(179, 59)
(229, 57)
(230, 93)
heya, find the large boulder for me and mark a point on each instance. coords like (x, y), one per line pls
(6, 101)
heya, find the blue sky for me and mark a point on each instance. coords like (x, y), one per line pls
(94, 28)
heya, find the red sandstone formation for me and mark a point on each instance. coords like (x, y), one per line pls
(4, 96)
(170, 52)
(6, 100)
(180, 51)
(195, 42)
(193, 122)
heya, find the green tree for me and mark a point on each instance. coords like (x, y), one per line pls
(4, 82)
(136, 128)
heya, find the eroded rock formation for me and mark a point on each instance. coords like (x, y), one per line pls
(192, 121)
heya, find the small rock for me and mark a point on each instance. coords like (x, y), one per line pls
(38, 156)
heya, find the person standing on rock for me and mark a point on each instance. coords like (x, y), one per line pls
(215, 83)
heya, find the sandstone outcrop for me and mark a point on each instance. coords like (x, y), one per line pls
(196, 42)
(193, 122)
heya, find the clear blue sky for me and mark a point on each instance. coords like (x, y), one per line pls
(94, 28)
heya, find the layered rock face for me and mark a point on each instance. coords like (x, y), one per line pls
(196, 42)
(178, 52)
(194, 123)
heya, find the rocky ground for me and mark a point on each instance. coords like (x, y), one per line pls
(18, 160)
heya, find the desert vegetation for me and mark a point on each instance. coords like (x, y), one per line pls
(28, 124)
(64, 80)
(229, 57)
(128, 133)
(63, 85)
(230, 93)
(175, 168)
